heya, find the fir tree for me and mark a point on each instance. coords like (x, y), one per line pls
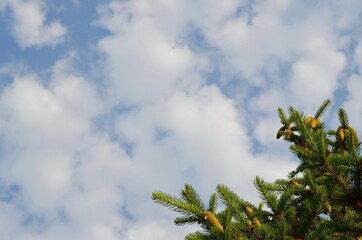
(320, 199)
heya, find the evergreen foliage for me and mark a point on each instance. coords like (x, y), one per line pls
(320, 199)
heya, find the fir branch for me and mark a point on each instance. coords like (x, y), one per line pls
(343, 118)
(310, 209)
(310, 179)
(226, 221)
(356, 181)
(189, 194)
(176, 204)
(326, 103)
(284, 200)
(322, 144)
(266, 194)
(351, 142)
(197, 236)
(280, 185)
(282, 116)
(340, 163)
(305, 132)
(301, 152)
(339, 179)
(187, 220)
(232, 201)
(331, 132)
(213, 203)
(354, 165)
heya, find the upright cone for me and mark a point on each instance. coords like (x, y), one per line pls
(257, 222)
(212, 220)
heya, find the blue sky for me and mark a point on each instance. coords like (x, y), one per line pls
(103, 102)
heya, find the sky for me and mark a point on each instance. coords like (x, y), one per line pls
(103, 102)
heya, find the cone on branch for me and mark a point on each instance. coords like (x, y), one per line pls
(288, 134)
(212, 220)
(256, 222)
(295, 183)
(313, 122)
(341, 134)
(249, 210)
(328, 207)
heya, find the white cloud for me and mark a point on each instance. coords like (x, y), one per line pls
(144, 64)
(34, 107)
(29, 26)
(201, 140)
(3, 4)
(358, 55)
(317, 73)
(10, 219)
(68, 173)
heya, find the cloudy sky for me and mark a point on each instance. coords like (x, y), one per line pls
(103, 102)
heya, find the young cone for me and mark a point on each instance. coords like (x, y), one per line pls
(257, 222)
(249, 210)
(212, 220)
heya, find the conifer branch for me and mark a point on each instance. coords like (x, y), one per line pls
(321, 110)
(232, 201)
(305, 132)
(343, 118)
(213, 203)
(196, 236)
(176, 204)
(186, 220)
(189, 194)
(339, 179)
(266, 194)
(282, 116)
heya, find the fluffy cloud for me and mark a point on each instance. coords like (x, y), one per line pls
(250, 43)
(10, 219)
(317, 72)
(67, 172)
(142, 63)
(190, 138)
(29, 24)
(358, 55)
(163, 77)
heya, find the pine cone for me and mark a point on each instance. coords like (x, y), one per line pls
(288, 134)
(257, 222)
(340, 134)
(308, 119)
(313, 123)
(249, 210)
(328, 207)
(354, 135)
(212, 220)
